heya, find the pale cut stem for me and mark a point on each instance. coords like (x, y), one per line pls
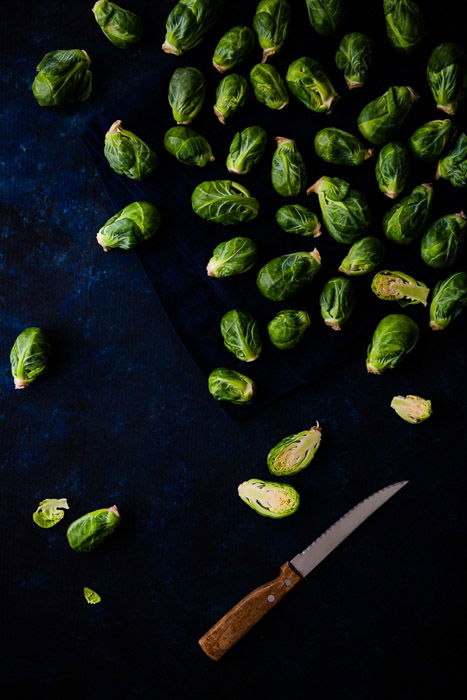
(369, 153)
(315, 187)
(168, 48)
(219, 115)
(282, 139)
(268, 52)
(448, 109)
(20, 383)
(221, 69)
(351, 84)
(435, 327)
(115, 127)
(333, 324)
(371, 369)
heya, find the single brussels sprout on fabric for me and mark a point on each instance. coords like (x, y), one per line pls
(412, 409)
(345, 211)
(187, 90)
(127, 154)
(446, 73)
(91, 596)
(295, 452)
(232, 48)
(241, 335)
(380, 120)
(405, 24)
(50, 511)
(354, 57)
(271, 23)
(363, 256)
(443, 242)
(122, 27)
(228, 385)
(339, 147)
(453, 166)
(224, 201)
(188, 146)
(87, 532)
(232, 257)
(269, 498)
(246, 150)
(326, 15)
(268, 86)
(295, 218)
(448, 301)
(286, 275)
(231, 95)
(392, 285)
(288, 327)
(404, 221)
(288, 172)
(429, 140)
(395, 336)
(308, 82)
(188, 22)
(28, 356)
(62, 77)
(135, 223)
(392, 169)
(337, 301)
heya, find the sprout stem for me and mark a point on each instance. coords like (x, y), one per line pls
(168, 48)
(20, 383)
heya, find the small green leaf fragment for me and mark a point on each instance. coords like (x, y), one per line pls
(49, 512)
(91, 596)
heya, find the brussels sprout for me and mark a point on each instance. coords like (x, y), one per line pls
(232, 257)
(87, 532)
(412, 409)
(337, 301)
(122, 27)
(405, 24)
(453, 167)
(308, 82)
(50, 511)
(393, 285)
(91, 596)
(63, 76)
(135, 223)
(288, 172)
(228, 385)
(269, 498)
(187, 89)
(392, 169)
(395, 336)
(295, 452)
(382, 118)
(326, 15)
(127, 154)
(444, 240)
(284, 276)
(405, 221)
(271, 23)
(287, 328)
(246, 150)
(354, 57)
(188, 22)
(241, 335)
(224, 201)
(29, 356)
(188, 146)
(446, 73)
(231, 95)
(339, 147)
(429, 140)
(232, 48)
(295, 218)
(345, 211)
(448, 301)
(363, 256)
(268, 86)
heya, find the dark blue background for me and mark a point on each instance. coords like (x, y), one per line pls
(123, 416)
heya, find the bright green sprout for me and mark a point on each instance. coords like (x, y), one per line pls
(430, 140)
(269, 498)
(127, 154)
(271, 23)
(268, 86)
(135, 223)
(187, 90)
(233, 48)
(405, 221)
(87, 533)
(228, 385)
(446, 73)
(443, 242)
(337, 301)
(188, 22)
(188, 146)
(288, 172)
(412, 409)
(241, 335)
(395, 336)
(62, 77)
(224, 202)
(231, 95)
(28, 356)
(295, 452)
(405, 24)
(232, 257)
(363, 256)
(122, 27)
(345, 211)
(287, 328)
(397, 286)
(354, 57)
(326, 15)
(392, 169)
(339, 147)
(50, 511)
(453, 167)
(286, 275)
(308, 82)
(448, 301)
(380, 120)
(295, 218)
(246, 150)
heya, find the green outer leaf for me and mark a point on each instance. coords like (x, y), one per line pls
(446, 73)
(297, 219)
(405, 24)
(232, 257)
(443, 242)
(308, 82)
(241, 335)
(286, 275)
(453, 166)
(233, 47)
(188, 22)
(381, 119)
(135, 223)
(29, 356)
(228, 385)
(395, 336)
(269, 86)
(448, 301)
(288, 172)
(295, 452)
(88, 531)
(339, 147)
(246, 150)
(393, 285)
(326, 15)
(127, 154)
(122, 27)
(188, 146)
(430, 140)
(345, 211)
(231, 95)
(405, 221)
(271, 23)
(187, 90)
(354, 57)
(412, 409)
(63, 76)
(392, 169)
(269, 498)
(91, 596)
(49, 512)
(224, 202)
(287, 328)
(363, 256)
(337, 301)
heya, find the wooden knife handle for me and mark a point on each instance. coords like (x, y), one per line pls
(241, 618)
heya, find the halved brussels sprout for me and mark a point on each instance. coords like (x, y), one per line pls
(412, 409)
(308, 82)
(286, 275)
(241, 335)
(326, 15)
(287, 328)
(295, 218)
(246, 150)
(28, 356)
(271, 23)
(405, 221)
(405, 24)
(392, 169)
(393, 285)
(232, 48)
(228, 385)
(135, 223)
(188, 22)
(232, 257)
(339, 147)
(453, 167)
(63, 76)
(337, 301)
(288, 172)
(187, 89)
(127, 154)
(269, 498)
(295, 452)
(188, 146)
(88, 531)
(354, 57)
(231, 95)
(268, 86)
(122, 27)
(345, 211)
(395, 336)
(91, 596)
(444, 240)
(50, 511)
(446, 73)
(448, 301)
(380, 120)
(429, 140)
(363, 256)
(224, 201)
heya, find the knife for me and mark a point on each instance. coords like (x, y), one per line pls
(243, 616)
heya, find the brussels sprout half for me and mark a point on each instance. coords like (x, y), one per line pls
(363, 256)
(135, 223)
(326, 15)
(224, 202)
(62, 77)
(246, 150)
(453, 167)
(339, 147)
(271, 23)
(443, 242)
(429, 140)
(405, 24)
(295, 452)
(397, 286)
(232, 257)
(308, 82)
(241, 335)
(232, 48)
(187, 89)
(448, 301)
(127, 154)
(188, 146)
(288, 172)
(337, 301)
(269, 498)
(345, 211)
(28, 356)
(354, 57)
(122, 27)
(380, 120)
(392, 169)
(268, 86)
(446, 73)
(188, 22)
(295, 218)
(228, 385)
(231, 95)
(395, 336)
(50, 511)
(286, 275)
(412, 409)
(287, 328)
(87, 533)
(405, 221)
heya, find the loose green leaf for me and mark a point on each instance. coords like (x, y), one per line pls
(88, 531)
(269, 498)
(228, 385)
(453, 167)
(232, 257)
(405, 221)
(412, 409)
(231, 95)
(287, 328)
(241, 335)
(295, 218)
(447, 76)
(345, 211)
(91, 596)
(127, 154)
(354, 57)
(233, 47)
(50, 511)
(430, 140)
(268, 86)
(337, 301)
(271, 23)
(395, 336)
(363, 256)
(187, 90)
(339, 147)
(405, 24)
(28, 356)
(246, 150)
(122, 27)
(286, 275)
(188, 146)
(295, 452)
(288, 172)
(63, 76)
(308, 82)
(188, 22)
(448, 301)
(392, 285)
(443, 242)
(326, 15)
(380, 120)
(135, 223)
(224, 201)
